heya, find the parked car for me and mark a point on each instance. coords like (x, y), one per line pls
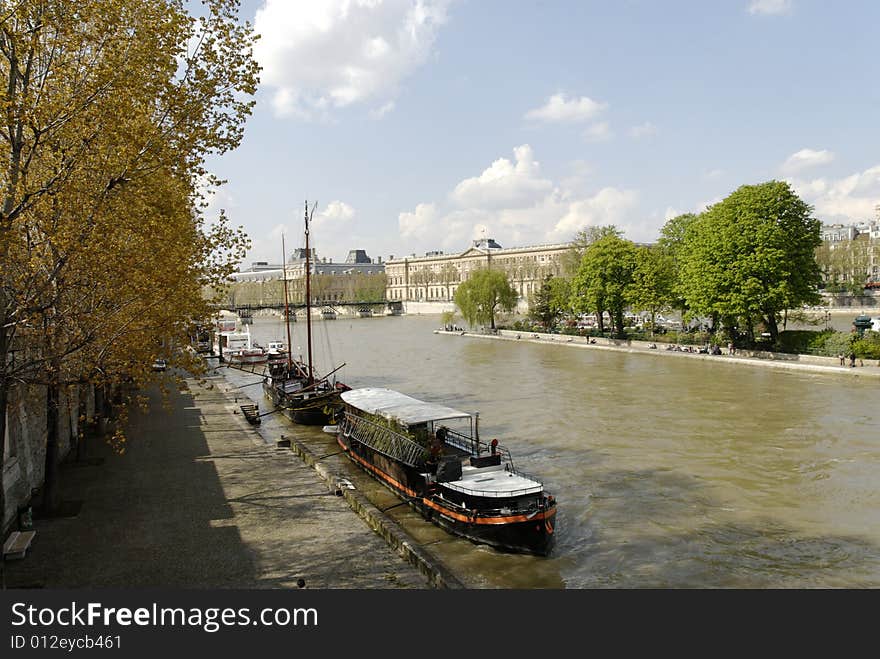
(159, 365)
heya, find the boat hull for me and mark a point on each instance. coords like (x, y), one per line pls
(247, 359)
(532, 533)
(315, 410)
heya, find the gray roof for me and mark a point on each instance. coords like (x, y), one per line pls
(400, 407)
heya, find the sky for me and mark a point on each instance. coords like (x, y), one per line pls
(421, 125)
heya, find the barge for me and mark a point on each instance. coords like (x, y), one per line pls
(431, 457)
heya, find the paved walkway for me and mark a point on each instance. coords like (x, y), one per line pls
(199, 500)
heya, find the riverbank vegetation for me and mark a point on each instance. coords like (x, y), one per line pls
(110, 110)
(735, 274)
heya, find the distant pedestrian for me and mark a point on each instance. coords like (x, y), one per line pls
(730, 348)
(852, 359)
(842, 359)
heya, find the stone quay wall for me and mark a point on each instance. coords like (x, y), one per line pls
(24, 464)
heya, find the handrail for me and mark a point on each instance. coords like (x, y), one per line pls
(478, 447)
(384, 440)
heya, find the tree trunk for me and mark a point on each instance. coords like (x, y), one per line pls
(618, 322)
(51, 498)
(4, 397)
(4, 403)
(772, 327)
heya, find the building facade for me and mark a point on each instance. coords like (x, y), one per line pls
(850, 254)
(358, 278)
(435, 276)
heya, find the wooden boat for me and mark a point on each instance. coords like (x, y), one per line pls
(431, 456)
(291, 384)
(251, 413)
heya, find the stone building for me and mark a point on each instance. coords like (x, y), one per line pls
(850, 253)
(435, 276)
(358, 278)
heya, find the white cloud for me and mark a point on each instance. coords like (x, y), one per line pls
(608, 206)
(853, 198)
(558, 108)
(671, 213)
(512, 202)
(598, 132)
(378, 113)
(707, 203)
(504, 183)
(806, 158)
(326, 54)
(646, 129)
(770, 7)
(337, 214)
(419, 222)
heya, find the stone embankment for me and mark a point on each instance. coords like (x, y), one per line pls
(869, 368)
(200, 499)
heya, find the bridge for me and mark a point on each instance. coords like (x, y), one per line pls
(246, 310)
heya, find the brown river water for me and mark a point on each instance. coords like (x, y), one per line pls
(669, 473)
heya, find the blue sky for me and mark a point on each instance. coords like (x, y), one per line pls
(421, 125)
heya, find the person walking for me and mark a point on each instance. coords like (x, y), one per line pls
(842, 359)
(852, 359)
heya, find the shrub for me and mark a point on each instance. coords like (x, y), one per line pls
(802, 341)
(868, 347)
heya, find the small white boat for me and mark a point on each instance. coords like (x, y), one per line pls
(236, 347)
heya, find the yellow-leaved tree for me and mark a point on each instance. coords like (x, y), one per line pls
(110, 109)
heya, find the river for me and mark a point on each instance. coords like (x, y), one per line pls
(669, 473)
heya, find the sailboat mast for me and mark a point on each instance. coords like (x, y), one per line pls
(308, 296)
(286, 305)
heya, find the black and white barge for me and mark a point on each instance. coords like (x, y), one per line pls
(431, 456)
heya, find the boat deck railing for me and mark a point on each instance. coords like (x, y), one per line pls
(384, 440)
(477, 447)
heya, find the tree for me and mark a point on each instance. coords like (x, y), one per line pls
(539, 305)
(485, 293)
(550, 301)
(847, 264)
(672, 243)
(448, 275)
(752, 256)
(604, 279)
(585, 237)
(653, 281)
(110, 110)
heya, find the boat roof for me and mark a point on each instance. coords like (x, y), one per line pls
(493, 482)
(400, 407)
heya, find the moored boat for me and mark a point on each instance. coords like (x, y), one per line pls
(276, 351)
(236, 347)
(292, 385)
(431, 456)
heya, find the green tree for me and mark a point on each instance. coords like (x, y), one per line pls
(604, 279)
(551, 301)
(485, 293)
(585, 237)
(653, 281)
(752, 256)
(672, 243)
